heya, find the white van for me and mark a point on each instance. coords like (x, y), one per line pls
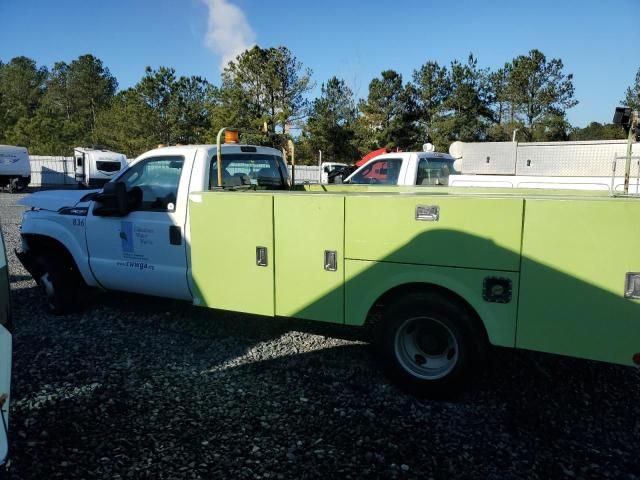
(95, 166)
(326, 168)
(15, 169)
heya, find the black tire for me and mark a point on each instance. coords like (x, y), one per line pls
(23, 183)
(429, 344)
(60, 283)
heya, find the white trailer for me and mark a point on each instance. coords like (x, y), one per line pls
(95, 166)
(15, 170)
(584, 165)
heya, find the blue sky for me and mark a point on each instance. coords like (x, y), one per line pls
(354, 40)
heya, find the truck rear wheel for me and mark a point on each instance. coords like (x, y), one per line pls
(59, 283)
(427, 344)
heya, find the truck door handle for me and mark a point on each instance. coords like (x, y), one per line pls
(175, 235)
(261, 256)
(330, 260)
(429, 213)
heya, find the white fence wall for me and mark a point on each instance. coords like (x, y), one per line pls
(50, 170)
(306, 174)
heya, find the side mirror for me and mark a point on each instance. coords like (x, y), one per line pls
(112, 201)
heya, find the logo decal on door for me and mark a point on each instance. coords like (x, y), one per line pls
(126, 237)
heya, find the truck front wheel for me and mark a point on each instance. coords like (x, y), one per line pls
(427, 344)
(59, 284)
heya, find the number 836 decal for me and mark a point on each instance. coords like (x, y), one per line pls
(78, 222)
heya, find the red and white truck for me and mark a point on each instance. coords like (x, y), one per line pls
(584, 165)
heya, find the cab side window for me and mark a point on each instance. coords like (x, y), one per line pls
(384, 171)
(156, 181)
(433, 172)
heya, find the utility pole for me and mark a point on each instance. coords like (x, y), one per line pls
(630, 138)
(292, 148)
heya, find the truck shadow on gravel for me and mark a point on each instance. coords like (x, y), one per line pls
(161, 389)
(146, 409)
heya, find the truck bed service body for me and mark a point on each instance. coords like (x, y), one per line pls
(437, 275)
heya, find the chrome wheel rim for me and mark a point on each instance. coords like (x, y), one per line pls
(426, 348)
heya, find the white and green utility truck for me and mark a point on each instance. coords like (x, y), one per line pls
(437, 274)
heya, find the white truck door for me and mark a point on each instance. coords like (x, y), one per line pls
(145, 251)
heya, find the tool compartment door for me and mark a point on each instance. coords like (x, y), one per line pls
(227, 228)
(440, 230)
(307, 228)
(575, 255)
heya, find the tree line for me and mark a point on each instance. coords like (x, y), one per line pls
(266, 93)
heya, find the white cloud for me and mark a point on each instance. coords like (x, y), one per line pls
(228, 33)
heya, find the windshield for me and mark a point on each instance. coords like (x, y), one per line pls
(433, 171)
(383, 171)
(261, 171)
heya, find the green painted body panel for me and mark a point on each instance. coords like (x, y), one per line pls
(367, 281)
(306, 226)
(480, 233)
(575, 257)
(226, 228)
(567, 285)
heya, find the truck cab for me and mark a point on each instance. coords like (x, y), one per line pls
(134, 234)
(95, 166)
(405, 168)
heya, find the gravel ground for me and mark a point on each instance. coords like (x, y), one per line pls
(137, 387)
